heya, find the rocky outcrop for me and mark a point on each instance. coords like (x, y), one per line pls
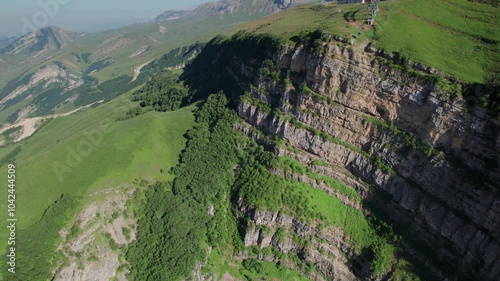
(52, 73)
(446, 204)
(327, 250)
(90, 247)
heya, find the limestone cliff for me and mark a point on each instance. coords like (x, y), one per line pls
(414, 153)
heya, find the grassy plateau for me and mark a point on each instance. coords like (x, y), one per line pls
(458, 37)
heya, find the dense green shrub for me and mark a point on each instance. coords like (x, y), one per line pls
(48, 99)
(270, 70)
(175, 224)
(383, 257)
(255, 184)
(89, 93)
(98, 65)
(10, 134)
(164, 92)
(430, 151)
(168, 240)
(136, 111)
(13, 117)
(14, 84)
(313, 40)
(41, 238)
(379, 164)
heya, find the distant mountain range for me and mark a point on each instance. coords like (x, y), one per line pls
(232, 7)
(42, 70)
(54, 38)
(45, 39)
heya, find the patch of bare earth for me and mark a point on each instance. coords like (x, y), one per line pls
(228, 277)
(112, 45)
(137, 70)
(139, 52)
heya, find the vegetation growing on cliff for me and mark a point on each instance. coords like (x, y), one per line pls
(205, 176)
(204, 77)
(408, 140)
(455, 37)
(288, 164)
(255, 181)
(221, 171)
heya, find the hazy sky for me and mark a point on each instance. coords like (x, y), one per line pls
(20, 16)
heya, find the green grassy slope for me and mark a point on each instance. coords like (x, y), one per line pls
(128, 150)
(333, 19)
(120, 152)
(458, 37)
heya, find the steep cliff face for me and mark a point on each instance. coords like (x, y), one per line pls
(333, 257)
(415, 155)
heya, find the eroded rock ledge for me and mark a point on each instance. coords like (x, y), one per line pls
(448, 204)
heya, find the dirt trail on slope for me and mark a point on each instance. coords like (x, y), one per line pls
(137, 70)
(30, 125)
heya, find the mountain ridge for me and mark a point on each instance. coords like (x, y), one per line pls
(45, 39)
(232, 7)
